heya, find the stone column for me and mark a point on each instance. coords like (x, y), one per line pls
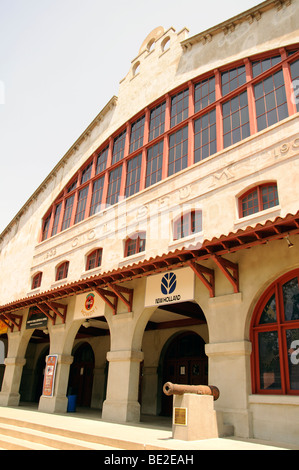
(121, 404)
(10, 395)
(58, 403)
(14, 363)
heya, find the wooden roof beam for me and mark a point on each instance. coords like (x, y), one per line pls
(226, 267)
(104, 294)
(119, 290)
(201, 272)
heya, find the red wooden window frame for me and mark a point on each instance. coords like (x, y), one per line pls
(274, 304)
(137, 131)
(62, 271)
(36, 280)
(253, 198)
(187, 224)
(94, 259)
(135, 244)
(204, 95)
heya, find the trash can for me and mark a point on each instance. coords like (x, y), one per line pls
(71, 403)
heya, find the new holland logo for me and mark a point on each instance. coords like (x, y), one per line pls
(168, 286)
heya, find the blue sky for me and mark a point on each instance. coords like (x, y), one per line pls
(60, 63)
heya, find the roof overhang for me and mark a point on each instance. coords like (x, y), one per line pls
(281, 227)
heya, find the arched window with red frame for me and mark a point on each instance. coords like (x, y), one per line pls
(36, 280)
(187, 224)
(275, 338)
(94, 259)
(258, 199)
(135, 244)
(62, 271)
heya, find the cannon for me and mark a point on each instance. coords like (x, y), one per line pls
(179, 389)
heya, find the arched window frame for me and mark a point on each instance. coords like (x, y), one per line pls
(94, 259)
(187, 224)
(36, 280)
(260, 205)
(288, 353)
(62, 271)
(135, 244)
(204, 127)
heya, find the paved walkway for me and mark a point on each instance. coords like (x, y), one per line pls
(152, 433)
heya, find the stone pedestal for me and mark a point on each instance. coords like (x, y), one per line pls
(194, 417)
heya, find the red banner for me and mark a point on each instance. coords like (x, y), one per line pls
(49, 378)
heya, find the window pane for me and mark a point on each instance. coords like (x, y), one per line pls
(154, 164)
(133, 175)
(157, 121)
(250, 204)
(86, 173)
(269, 196)
(82, 198)
(204, 94)
(68, 212)
(269, 312)
(179, 107)
(233, 79)
(205, 136)
(56, 219)
(295, 82)
(97, 192)
(178, 152)
(292, 337)
(114, 185)
(235, 120)
(137, 134)
(119, 147)
(291, 299)
(102, 161)
(269, 361)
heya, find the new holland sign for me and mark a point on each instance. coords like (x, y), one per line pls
(168, 288)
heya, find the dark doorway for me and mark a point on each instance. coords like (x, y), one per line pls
(81, 375)
(185, 362)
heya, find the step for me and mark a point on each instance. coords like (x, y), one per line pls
(87, 441)
(14, 437)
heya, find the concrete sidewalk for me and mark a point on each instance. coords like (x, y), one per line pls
(152, 433)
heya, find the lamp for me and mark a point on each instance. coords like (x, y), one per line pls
(290, 244)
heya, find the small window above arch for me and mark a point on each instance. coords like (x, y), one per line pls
(187, 224)
(135, 244)
(62, 271)
(258, 198)
(94, 259)
(36, 280)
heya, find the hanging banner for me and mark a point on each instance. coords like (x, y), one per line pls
(49, 377)
(169, 288)
(3, 328)
(89, 305)
(36, 319)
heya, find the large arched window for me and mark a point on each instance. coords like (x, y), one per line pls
(275, 338)
(229, 105)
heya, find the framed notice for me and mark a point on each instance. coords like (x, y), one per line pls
(49, 377)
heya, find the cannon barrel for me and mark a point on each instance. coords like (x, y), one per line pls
(179, 389)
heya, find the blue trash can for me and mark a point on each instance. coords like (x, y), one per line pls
(71, 404)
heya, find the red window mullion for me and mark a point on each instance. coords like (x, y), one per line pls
(219, 116)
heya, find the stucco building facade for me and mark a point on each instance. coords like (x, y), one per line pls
(164, 245)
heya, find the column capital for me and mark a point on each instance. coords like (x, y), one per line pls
(125, 356)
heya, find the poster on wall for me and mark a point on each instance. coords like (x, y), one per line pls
(169, 288)
(49, 377)
(89, 305)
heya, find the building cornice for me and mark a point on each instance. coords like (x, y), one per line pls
(228, 26)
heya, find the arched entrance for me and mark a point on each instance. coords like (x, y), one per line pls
(184, 362)
(81, 374)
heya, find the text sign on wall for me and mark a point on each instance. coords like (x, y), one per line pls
(89, 305)
(49, 377)
(168, 288)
